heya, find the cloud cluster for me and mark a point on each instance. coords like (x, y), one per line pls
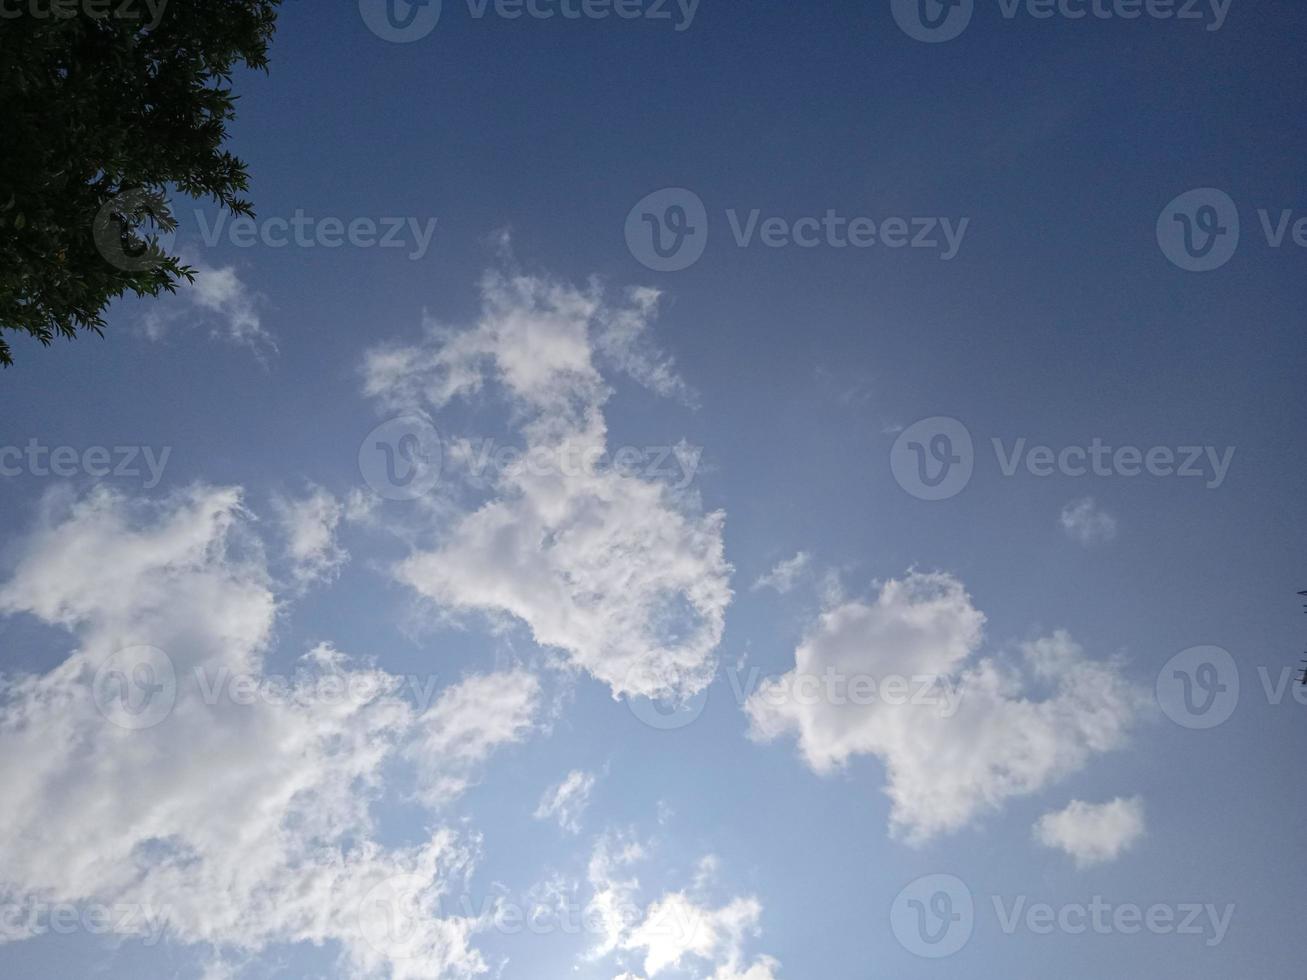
(617, 571)
(942, 771)
(678, 931)
(245, 822)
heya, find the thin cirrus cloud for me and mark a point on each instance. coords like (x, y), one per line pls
(95, 812)
(982, 737)
(567, 802)
(623, 575)
(1093, 834)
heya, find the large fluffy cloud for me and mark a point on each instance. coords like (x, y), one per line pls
(611, 567)
(983, 730)
(157, 764)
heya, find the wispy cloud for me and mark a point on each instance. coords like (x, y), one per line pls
(567, 802)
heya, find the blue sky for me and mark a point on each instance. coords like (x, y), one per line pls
(619, 694)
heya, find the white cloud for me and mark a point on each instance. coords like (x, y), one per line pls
(567, 801)
(945, 768)
(615, 890)
(618, 572)
(1093, 833)
(623, 340)
(242, 824)
(466, 724)
(309, 526)
(1084, 521)
(676, 930)
(785, 575)
(222, 301)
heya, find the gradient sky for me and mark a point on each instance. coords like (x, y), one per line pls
(773, 397)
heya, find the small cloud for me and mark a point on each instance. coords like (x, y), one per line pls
(226, 304)
(783, 577)
(1093, 833)
(309, 527)
(567, 801)
(1084, 521)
